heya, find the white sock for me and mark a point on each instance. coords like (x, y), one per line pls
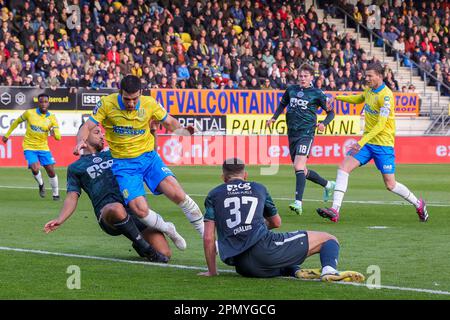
(404, 192)
(328, 185)
(193, 214)
(54, 184)
(340, 189)
(38, 178)
(299, 202)
(329, 270)
(155, 221)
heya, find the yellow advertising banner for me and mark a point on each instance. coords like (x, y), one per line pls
(256, 125)
(226, 102)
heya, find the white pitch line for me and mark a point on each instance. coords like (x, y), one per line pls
(70, 255)
(397, 203)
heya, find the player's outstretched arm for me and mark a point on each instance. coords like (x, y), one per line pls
(172, 124)
(70, 204)
(82, 135)
(209, 245)
(357, 98)
(14, 125)
(283, 104)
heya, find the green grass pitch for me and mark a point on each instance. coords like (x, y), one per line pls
(410, 255)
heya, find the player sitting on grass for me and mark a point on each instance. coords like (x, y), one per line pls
(92, 173)
(302, 102)
(243, 212)
(377, 143)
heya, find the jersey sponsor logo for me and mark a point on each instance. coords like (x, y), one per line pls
(97, 170)
(239, 187)
(37, 129)
(368, 109)
(128, 131)
(298, 103)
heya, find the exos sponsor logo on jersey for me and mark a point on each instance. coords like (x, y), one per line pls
(368, 109)
(96, 170)
(239, 187)
(298, 103)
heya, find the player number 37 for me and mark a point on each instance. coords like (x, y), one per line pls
(235, 211)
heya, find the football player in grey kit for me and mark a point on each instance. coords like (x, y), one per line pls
(243, 212)
(302, 102)
(92, 173)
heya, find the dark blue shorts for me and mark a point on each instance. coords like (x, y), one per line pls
(273, 253)
(300, 146)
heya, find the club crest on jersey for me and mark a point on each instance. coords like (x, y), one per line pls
(97, 160)
(141, 113)
(300, 94)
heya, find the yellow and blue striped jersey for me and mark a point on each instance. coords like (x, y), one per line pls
(38, 128)
(128, 132)
(379, 115)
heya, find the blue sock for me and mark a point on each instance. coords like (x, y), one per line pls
(329, 254)
(299, 184)
(316, 178)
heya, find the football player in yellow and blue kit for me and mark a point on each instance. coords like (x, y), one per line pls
(40, 123)
(126, 118)
(377, 143)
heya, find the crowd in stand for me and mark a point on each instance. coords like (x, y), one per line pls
(415, 31)
(235, 44)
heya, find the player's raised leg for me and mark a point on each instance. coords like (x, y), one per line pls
(153, 220)
(401, 190)
(173, 190)
(328, 186)
(327, 246)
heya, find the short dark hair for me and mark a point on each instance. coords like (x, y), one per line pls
(233, 166)
(43, 95)
(130, 84)
(306, 67)
(377, 67)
